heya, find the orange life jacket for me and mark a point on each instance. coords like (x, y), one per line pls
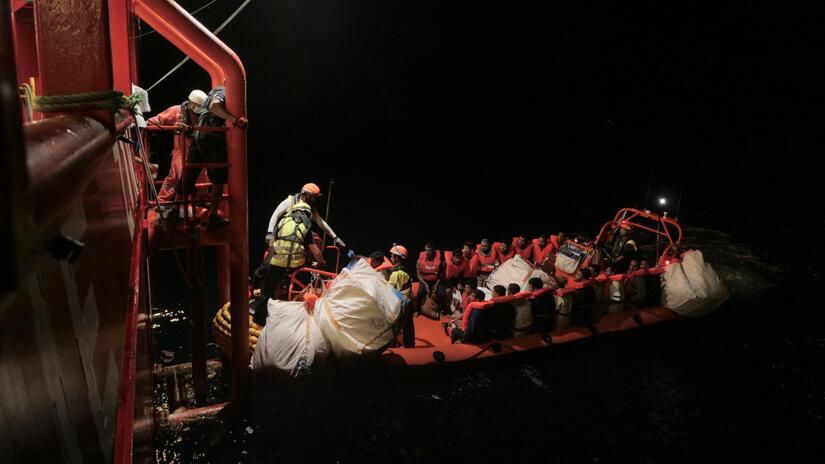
(526, 252)
(455, 270)
(429, 269)
(540, 253)
(502, 258)
(486, 263)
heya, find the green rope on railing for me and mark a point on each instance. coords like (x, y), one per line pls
(111, 100)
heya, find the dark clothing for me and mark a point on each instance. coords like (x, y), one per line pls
(260, 272)
(627, 250)
(440, 296)
(477, 328)
(653, 285)
(269, 266)
(408, 325)
(208, 146)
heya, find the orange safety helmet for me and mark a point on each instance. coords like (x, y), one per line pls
(311, 188)
(399, 250)
(625, 225)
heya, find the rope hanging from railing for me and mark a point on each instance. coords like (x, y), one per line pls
(111, 100)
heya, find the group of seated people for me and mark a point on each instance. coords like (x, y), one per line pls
(453, 284)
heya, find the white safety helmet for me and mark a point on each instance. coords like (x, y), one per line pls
(197, 97)
(197, 102)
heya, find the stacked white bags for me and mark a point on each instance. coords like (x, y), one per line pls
(354, 317)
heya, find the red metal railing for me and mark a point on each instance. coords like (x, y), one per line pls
(189, 202)
(666, 228)
(315, 276)
(224, 68)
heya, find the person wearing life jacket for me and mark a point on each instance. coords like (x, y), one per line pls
(484, 262)
(548, 265)
(504, 251)
(399, 277)
(210, 147)
(400, 280)
(430, 272)
(542, 249)
(623, 250)
(455, 269)
(183, 117)
(468, 252)
(309, 194)
(456, 328)
(380, 263)
(523, 247)
(293, 240)
(558, 241)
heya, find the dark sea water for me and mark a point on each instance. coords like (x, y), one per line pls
(743, 383)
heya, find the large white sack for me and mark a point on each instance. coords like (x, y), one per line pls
(359, 311)
(290, 342)
(691, 287)
(515, 271)
(569, 258)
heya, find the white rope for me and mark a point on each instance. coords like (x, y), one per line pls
(216, 31)
(192, 13)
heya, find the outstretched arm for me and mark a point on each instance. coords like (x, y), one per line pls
(219, 109)
(319, 221)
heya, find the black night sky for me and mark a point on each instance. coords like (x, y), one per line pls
(448, 121)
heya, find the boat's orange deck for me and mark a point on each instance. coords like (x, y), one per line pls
(430, 333)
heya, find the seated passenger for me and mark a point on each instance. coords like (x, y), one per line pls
(542, 310)
(644, 264)
(523, 247)
(542, 250)
(653, 285)
(523, 319)
(557, 241)
(468, 253)
(504, 251)
(473, 329)
(456, 268)
(512, 289)
(457, 298)
(548, 266)
(499, 291)
(430, 271)
(484, 262)
(584, 298)
(614, 292)
(534, 284)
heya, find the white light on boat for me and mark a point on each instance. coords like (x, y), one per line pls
(662, 201)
